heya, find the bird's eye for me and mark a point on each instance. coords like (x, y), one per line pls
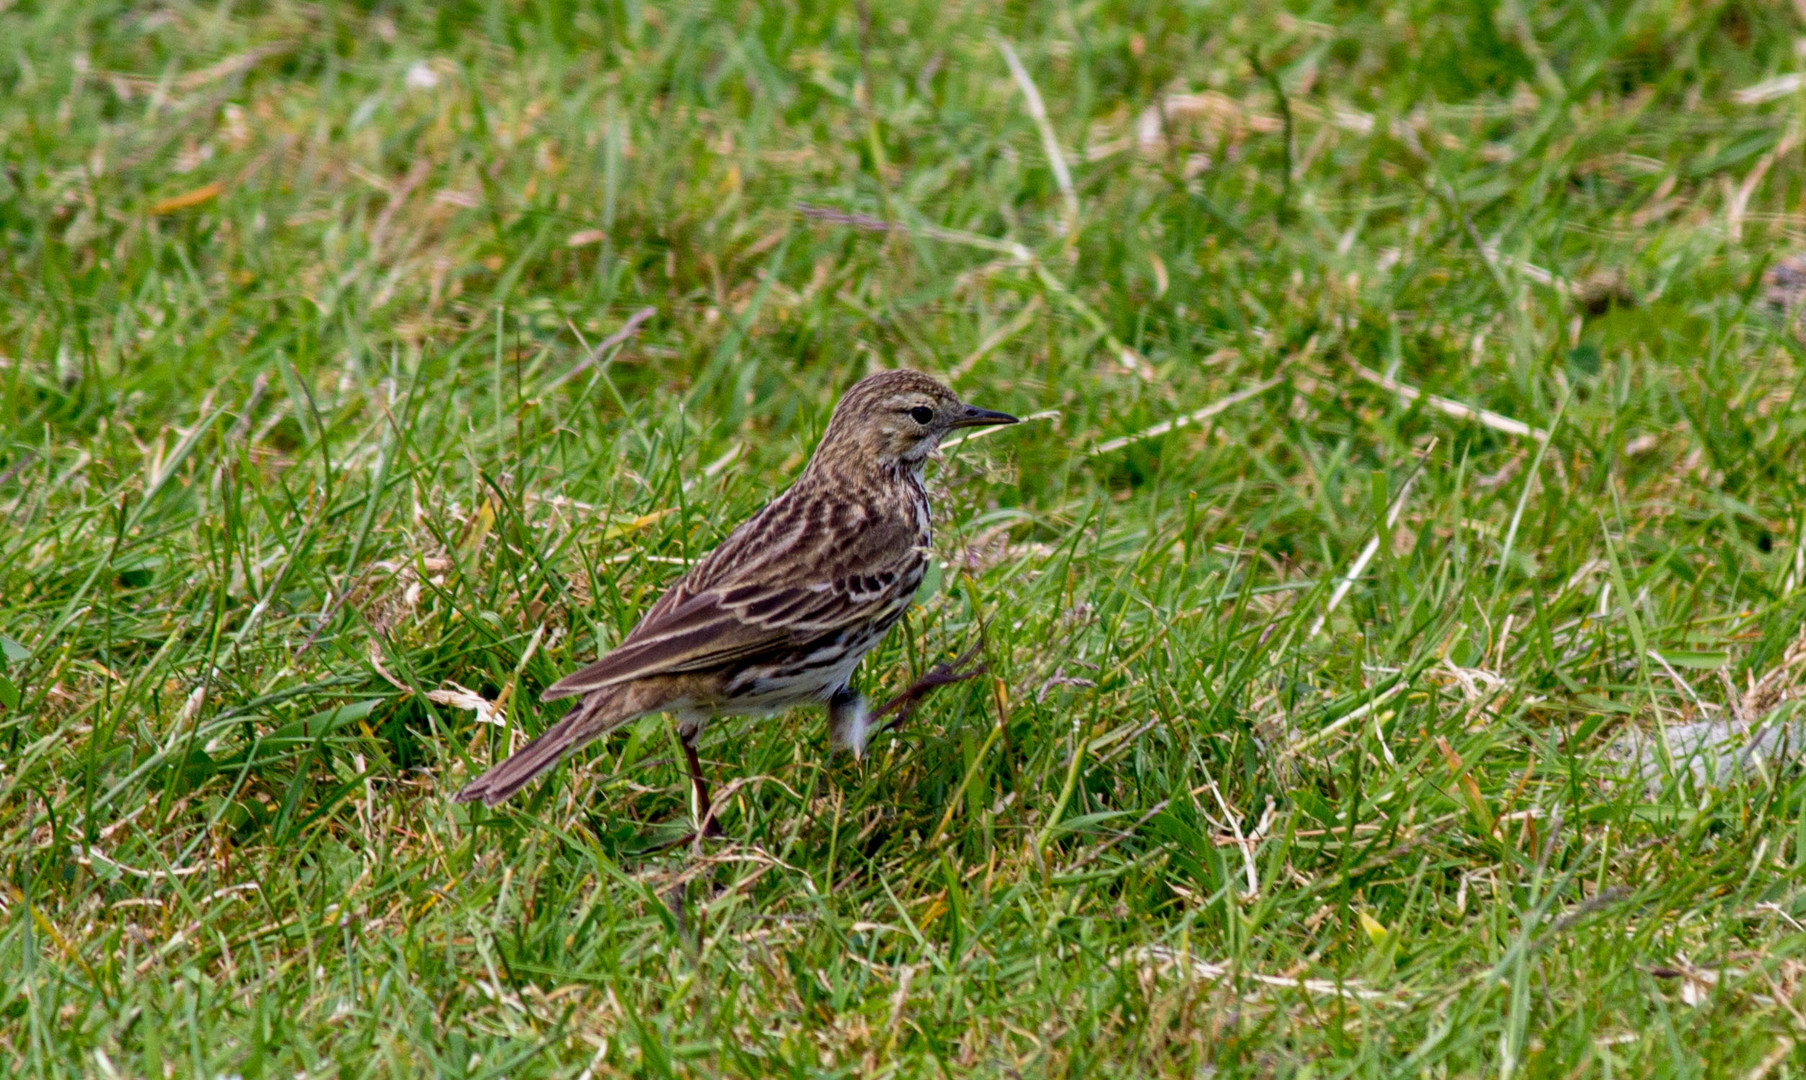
(921, 414)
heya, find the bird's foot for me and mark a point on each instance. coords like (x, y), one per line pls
(961, 669)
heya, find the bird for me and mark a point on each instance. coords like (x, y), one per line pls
(781, 613)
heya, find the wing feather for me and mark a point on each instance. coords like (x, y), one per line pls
(781, 579)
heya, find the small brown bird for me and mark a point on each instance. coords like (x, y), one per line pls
(782, 612)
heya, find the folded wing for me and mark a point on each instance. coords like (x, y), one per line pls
(779, 581)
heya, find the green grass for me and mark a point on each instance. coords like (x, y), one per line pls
(291, 299)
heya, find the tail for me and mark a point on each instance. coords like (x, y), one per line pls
(593, 717)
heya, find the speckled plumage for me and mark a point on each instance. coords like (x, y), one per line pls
(782, 612)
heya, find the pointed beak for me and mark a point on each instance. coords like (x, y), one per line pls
(977, 417)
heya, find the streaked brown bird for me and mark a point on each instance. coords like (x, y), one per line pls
(782, 612)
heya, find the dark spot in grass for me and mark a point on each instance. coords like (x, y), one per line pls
(1603, 290)
(1583, 361)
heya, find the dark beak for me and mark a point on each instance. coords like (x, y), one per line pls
(977, 417)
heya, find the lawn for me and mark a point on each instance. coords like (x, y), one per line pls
(1393, 605)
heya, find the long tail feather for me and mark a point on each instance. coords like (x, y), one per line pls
(592, 718)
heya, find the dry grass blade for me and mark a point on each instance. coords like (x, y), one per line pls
(996, 338)
(1768, 90)
(1368, 551)
(1449, 407)
(980, 433)
(1050, 142)
(1198, 416)
(1162, 957)
(627, 332)
(831, 216)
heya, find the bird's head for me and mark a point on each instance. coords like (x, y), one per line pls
(895, 419)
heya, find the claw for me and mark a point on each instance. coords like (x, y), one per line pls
(938, 676)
